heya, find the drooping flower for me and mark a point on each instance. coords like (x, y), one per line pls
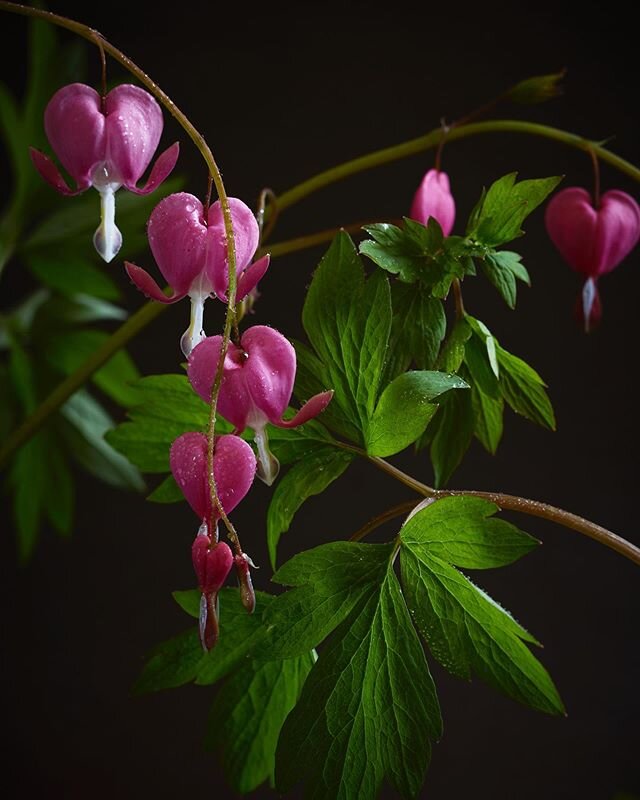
(191, 252)
(234, 467)
(105, 143)
(593, 241)
(434, 199)
(256, 387)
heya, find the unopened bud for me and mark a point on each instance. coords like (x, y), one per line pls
(247, 593)
(538, 89)
(209, 626)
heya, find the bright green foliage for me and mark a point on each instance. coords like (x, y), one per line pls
(368, 710)
(505, 206)
(503, 267)
(405, 408)
(419, 254)
(465, 629)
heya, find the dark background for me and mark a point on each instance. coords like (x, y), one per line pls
(281, 93)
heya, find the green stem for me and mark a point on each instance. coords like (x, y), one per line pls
(432, 139)
(509, 502)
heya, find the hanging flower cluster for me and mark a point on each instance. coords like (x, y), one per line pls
(104, 142)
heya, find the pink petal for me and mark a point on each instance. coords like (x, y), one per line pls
(160, 170)
(246, 237)
(234, 402)
(149, 288)
(571, 223)
(234, 467)
(133, 130)
(178, 240)
(51, 173)
(434, 199)
(75, 127)
(617, 231)
(310, 409)
(211, 562)
(249, 279)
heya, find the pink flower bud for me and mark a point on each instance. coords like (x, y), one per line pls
(592, 241)
(256, 387)
(434, 199)
(191, 252)
(105, 144)
(234, 467)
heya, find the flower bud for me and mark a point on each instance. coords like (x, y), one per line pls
(247, 593)
(434, 199)
(538, 89)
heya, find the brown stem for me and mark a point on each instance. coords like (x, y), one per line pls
(391, 513)
(596, 178)
(457, 296)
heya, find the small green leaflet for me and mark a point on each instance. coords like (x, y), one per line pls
(405, 409)
(307, 477)
(348, 322)
(524, 390)
(419, 253)
(465, 629)
(450, 435)
(504, 208)
(368, 710)
(502, 268)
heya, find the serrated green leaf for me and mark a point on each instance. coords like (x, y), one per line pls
(330, 580)
(295, 444)
(166, 492)
(502, 268)
(476, 359)
(451, 436)
(181, 659)
(463, 531)
(69, 350)
(523, 389)
(488, 413)
(452, 354)
(405, 408)
(248, 714)
(417, 329)
(87, 424)
(485, 335)
(348, 321)
(71, 275)
(368, 710)
(505, 207)
(469, 633)
(308, 477)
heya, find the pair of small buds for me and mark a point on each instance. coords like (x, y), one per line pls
(212, 562)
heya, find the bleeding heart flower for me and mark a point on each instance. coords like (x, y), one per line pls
(191, 252)
(434, 199)
(212, 562)
(593, 241)
(256, 387)
(105, 143)
(234, 467)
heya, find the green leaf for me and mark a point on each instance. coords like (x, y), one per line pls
(368, 709)
(488, 418)
(452, 354)
(451, 436)
(348, 322)
(465, 629)
(88, 422)
(295, 444)
(80, 309)
(181, 659)
(72, 275)
(505, 207)
(502, 268)
(166, 492)
(523, 389)
(28, 477)
(405, 409)
(477, 360)
(58, 490)
(22, 376)
(248, 714)
(308, 477)
(464, 532)
(417, 329)
(69, 350)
